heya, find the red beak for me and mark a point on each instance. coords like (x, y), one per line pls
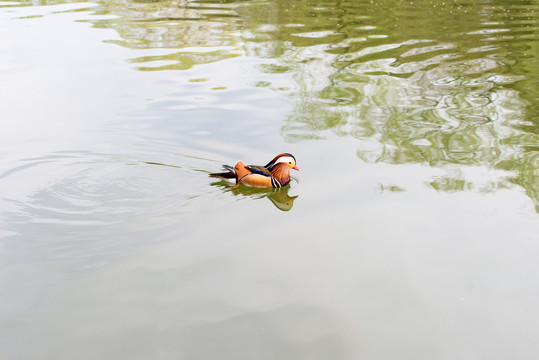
(296, 168)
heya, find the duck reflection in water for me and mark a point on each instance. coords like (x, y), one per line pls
(278, 196)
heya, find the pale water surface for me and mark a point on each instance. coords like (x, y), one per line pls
(411, 231)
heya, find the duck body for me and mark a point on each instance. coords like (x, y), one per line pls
(274, 174)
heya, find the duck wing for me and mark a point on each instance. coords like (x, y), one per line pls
(257, 169)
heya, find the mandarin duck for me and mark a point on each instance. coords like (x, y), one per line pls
(274, 174)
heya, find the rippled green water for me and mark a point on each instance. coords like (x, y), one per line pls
(442, 84)
(410, 232)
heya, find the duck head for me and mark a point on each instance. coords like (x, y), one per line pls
(285, 158)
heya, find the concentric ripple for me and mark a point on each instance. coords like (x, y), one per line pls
(87, 196)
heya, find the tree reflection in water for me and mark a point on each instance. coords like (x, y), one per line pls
(451, 85)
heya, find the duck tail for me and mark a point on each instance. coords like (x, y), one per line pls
(229, 174)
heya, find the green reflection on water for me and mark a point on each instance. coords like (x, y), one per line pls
(446, 84)
(183, 60)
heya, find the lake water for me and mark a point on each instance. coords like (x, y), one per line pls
(411, 232)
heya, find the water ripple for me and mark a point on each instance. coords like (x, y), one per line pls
(85, 191)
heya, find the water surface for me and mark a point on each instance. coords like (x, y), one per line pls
(410, 232)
